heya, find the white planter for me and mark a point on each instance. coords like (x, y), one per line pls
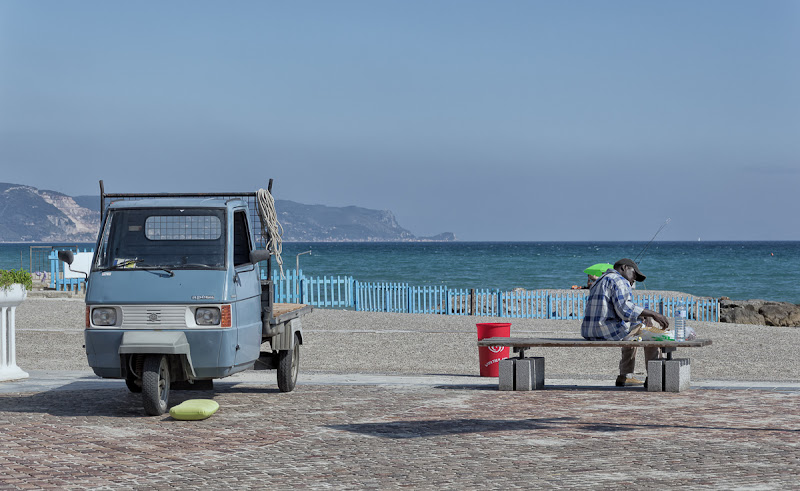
(9, 299)
(13, 295)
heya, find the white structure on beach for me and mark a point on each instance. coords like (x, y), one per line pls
(9, 299)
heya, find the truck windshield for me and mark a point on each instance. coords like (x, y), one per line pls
(173, 238)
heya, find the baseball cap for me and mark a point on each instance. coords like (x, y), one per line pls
(629, 262)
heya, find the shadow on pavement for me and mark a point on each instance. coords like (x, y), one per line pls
(467, 387)
(439, 427)
(587, 388)
(442, 427)
(108, 402)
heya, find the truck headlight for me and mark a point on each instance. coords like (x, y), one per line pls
(207, 316)
(104, 316)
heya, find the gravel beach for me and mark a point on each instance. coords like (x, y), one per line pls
(50, 337)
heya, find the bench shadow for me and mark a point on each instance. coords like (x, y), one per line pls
(583, 388)
(113, 400)
(441, 427)
(444, 427)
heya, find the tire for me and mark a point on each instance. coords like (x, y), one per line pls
(289, 366)
(155, 385)
(130, 381)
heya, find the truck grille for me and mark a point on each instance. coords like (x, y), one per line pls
(154, 316)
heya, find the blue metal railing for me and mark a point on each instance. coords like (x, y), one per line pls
(346, 292)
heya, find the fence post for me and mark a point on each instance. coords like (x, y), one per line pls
(302, 290)
(471, 301)
(53, 255)
(349, 291)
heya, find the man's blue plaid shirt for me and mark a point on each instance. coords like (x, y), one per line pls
(609, 308)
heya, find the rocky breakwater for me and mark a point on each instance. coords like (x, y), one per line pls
(760, 312)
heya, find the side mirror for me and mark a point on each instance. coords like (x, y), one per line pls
(66, 256)
(259, 255)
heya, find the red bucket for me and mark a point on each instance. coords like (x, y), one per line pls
(490, 356)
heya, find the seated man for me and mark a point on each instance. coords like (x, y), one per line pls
(610, 313)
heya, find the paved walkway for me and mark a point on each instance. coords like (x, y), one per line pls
(72, 430)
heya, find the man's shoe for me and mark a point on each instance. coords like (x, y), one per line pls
(625, 381)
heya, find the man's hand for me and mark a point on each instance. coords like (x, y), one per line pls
(662, 321)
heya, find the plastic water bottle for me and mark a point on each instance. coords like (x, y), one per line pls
(680, 322)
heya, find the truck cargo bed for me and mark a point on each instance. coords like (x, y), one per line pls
(282, 312)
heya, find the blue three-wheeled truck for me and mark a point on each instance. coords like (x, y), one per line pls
(175, 297)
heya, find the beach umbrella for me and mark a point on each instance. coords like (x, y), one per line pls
(598, 269)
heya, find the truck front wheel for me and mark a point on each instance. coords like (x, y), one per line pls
(289, 366)
(133, 385)
(155, 384)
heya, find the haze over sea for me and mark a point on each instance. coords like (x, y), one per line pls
(739, 270)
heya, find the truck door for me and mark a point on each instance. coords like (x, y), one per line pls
(247, 289)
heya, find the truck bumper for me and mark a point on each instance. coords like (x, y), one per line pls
(210, 352)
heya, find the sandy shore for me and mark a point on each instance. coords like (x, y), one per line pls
(50, 337)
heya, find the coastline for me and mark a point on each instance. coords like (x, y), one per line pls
(702, 270)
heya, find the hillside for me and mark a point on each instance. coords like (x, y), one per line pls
(28, 214)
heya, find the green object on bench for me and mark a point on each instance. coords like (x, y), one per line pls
(194, 409)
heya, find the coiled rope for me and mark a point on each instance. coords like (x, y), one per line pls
(270, 226)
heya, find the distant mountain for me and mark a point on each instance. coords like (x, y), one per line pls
(28, 214)
(308, 223)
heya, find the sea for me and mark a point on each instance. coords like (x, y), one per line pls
(738, 270)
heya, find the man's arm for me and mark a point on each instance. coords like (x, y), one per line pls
(662, 320)
(620, 298)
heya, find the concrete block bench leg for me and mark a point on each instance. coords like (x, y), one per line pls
(668, 375)
(507, 374)
(655, 376)
(521, 373)
(677, 374)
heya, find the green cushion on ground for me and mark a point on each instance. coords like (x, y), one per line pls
(194, 409)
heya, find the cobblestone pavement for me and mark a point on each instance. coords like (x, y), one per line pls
(344, 436)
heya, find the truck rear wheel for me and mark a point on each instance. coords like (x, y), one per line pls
(155, 384)
(289, 366)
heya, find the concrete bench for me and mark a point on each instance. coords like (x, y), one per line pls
(665, 375)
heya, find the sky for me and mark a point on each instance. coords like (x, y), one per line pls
(495, 120)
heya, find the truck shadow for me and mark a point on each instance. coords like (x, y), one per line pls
(113, 400)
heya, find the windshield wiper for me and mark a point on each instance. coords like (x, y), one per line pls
(123, 264)
(193, 265)
(157, 268)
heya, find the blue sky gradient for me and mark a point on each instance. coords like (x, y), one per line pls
(508, 120)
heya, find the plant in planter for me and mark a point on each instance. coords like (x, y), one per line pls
(14, 286)
(15, 276)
